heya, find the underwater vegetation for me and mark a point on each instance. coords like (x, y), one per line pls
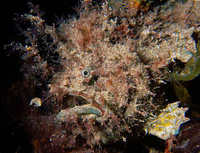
(192, 67)
(102, 77)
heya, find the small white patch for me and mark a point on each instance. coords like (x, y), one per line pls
(36, 102)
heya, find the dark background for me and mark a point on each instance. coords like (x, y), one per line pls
(12, 134)
(52, 11)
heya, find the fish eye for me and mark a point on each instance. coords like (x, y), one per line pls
(85, 73)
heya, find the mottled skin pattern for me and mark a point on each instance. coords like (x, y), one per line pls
(110, 77)
(106, 76)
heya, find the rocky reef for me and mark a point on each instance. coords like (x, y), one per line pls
(101, 77)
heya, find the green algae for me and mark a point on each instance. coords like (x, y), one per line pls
(192, 67)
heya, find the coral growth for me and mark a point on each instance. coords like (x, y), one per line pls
(168, 122)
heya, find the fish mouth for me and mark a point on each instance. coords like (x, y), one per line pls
(81, 105)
